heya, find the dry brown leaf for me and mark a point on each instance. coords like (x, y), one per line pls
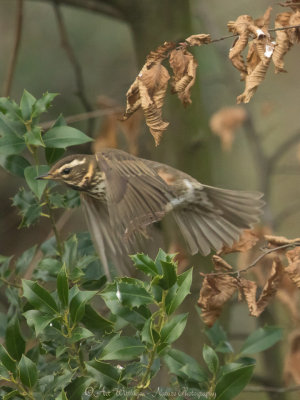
(283, 43)
(198, 40)
(291, 372)
(216, 290)
(277, 241)
(247, 240)
(149, 89)
(184, 67)
(248, 289)
(225, 123)
(264, 21)
(294, 33)
(293, 269)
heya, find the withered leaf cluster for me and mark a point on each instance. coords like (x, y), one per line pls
(149, 89)
(220, 285)
(262, 49)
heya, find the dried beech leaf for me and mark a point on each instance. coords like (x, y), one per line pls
(198, 40)
(247, 240)
(291, 372)
(149, 89)
(283, 43)
(225, 123)
(184, 67)
(294, 33)
(248, 289)
(264, 21)
(277, 241)
(293, 271)
(216, 290)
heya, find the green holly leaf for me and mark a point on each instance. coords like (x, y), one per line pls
(29, 207)
(28, 372)
(36, 185)
(27, 101)
(61, 137)
(15, 164)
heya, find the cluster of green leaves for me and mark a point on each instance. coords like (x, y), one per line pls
(66, 332)
(23, 143)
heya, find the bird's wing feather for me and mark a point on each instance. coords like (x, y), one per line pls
(136, 194)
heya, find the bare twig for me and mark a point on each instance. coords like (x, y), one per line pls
(84, 116)
(13, 61)
(270, 389)
(65, 42)
(92, 5)
(253, 264)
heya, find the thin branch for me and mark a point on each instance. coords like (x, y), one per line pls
(270, 389)
(13, 61)
(253, 264)
(92, 5)
(84, 116)
(65, 42)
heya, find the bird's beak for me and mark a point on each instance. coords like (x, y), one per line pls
(45, 176)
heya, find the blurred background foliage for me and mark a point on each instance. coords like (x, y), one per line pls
(110, 46)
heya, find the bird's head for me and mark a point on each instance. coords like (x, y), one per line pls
(76, 171)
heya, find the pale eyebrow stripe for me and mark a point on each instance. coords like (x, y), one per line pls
(72, 164)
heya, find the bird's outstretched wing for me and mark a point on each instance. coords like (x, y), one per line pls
(136, 194)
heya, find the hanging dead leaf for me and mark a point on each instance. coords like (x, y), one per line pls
(149, 89)
(293, 269)
(248, 289)
(198, 40)
(225, 123)
(277, 241)
(291, 372)
(283, 43)
(216, 290)
(294, 33)
(264, 21)
(184, 67)
(247, 240)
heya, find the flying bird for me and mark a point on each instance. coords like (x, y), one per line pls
(122, 195)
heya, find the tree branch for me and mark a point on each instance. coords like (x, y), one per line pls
(65, 42)
(91, 5)
(13, 62)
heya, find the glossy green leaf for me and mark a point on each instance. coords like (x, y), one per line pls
(175, 298)
(33, 137)
(14, 164)
(8, 106)
(144, 263)
(8, 362)
(261, 339)
(105, 374)
(231, 384)
(28, 372)
(172, 330)
(95, 322)
(77, 304)
(61, 137)
(122, 348)
(62, 396)
(14, 394)
(169, 275)
(63, 286)
(28, 205)
(9, 126)
(70, 252)
(147, 332)
(184, 366)
(25, 259)
(78, 387)
(80, 333)
(43, 104)
(14, 341)
(211, 359)
(52, 154)
(132, 295)
(39, 297)
(27, 101)
(5, 266)
(38, 320)
(36, 185)
(11, 143)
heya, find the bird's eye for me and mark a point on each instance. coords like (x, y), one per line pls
(66, 171)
